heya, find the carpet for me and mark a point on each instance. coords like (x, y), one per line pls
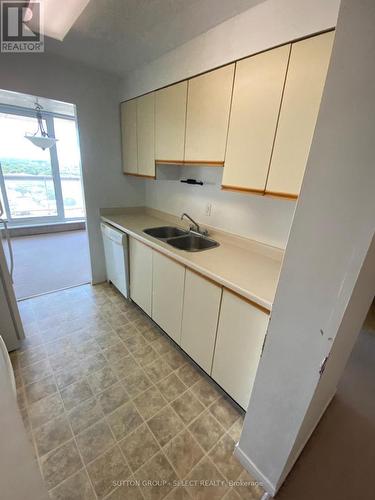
(48, 262)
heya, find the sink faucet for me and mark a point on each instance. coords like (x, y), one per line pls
(195, 225)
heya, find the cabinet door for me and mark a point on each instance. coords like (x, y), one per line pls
(145, 134)
(167, 294)
(170, 117)
(129, 137)
(140, 257)
(256, 103)
(207, 117)
(304, 85)
(199, 318)
(241, 331)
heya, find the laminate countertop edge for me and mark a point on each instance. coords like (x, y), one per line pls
(133, 224)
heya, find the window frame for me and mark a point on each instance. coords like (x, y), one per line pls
(48, 116)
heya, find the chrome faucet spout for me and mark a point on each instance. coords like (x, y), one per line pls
(195, 226)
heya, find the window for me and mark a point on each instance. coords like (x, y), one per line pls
(39, 185)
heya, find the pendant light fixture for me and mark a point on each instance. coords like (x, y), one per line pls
(43, 140)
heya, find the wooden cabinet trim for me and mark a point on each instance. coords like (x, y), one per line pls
(140, 175)
(204, 163)
(275, 194)
(240, 189)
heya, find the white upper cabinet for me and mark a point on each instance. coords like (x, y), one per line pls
(129, 137)
(240, 336)
(304, 85)
(146, 134)
(208, 108)
(170, 119)
(257, 94)
(168, 279)
(200, 317)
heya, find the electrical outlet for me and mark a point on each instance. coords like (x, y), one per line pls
(208, 210)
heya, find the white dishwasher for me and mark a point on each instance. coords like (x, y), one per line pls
(116, 250)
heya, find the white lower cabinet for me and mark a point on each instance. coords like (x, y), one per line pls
(140, 257)
(200, 317)
(240, 336)
(168, 279)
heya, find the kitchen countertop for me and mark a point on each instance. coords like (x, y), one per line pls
(244, 266)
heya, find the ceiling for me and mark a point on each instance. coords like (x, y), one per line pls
(120, 35)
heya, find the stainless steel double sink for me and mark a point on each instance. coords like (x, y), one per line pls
(181, 239)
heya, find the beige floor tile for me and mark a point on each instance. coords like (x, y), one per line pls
(76, 487)
(128, 491)
(126, 331)
(136, 382)
(171, 387)
(225, 412)
(112, 398)
(135, 342)
(93, 441)
(232, 495)
(32, 355)
(205, 470)
(158, 370)
(87, 348)
(251, 489)
(165, 425)
(178, 493)
(124, 367)
(139, 447)
(101, 380)
(117, 318)
(151, 334)
(223, 458)
(145, 355)
(60, 463)
(21, 398)
(75, 394)
(94, 363)
(159, 469)
(183, 453)
(39, 390)
(115, 352)
(189, 374)
(206, 430)
(108, 468)
(142, 324)
(124, 420)
(236, 429)
(205, 391)
(35, 372)
(45, 409)
(162, 345)
(149, 402)
(187, 406)
(107, 339)
(175, 359)
(52, 434)
(134, 314)
(85, 414)
(69, 376)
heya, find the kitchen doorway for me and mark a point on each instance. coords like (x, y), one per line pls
(41, 192)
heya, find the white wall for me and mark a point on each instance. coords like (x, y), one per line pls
(328, 277)
(266, 25)
(258, 217)
(96, 96)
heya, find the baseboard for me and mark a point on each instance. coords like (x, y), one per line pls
(60, 227)
(270, 488)
(255, 472)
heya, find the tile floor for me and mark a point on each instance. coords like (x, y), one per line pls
(115, 410)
